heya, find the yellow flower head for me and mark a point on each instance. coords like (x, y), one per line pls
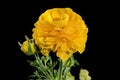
(24, 47)
(60, 30)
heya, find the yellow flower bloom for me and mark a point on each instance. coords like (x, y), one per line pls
(24, 47)
(62, 31)
(84, 75)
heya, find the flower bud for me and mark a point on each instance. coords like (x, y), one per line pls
(28, 47)
(84, 75)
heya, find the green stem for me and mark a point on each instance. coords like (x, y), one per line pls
(60, 70)
(67, 70)
(42, 68)
(68, 64)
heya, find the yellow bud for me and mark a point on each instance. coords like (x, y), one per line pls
(24, 47)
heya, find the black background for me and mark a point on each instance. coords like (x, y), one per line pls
(19, 20)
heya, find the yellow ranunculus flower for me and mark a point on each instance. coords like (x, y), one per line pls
(62, 31)
(24, 47)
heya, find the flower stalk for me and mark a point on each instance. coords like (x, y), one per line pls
(43, 65)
